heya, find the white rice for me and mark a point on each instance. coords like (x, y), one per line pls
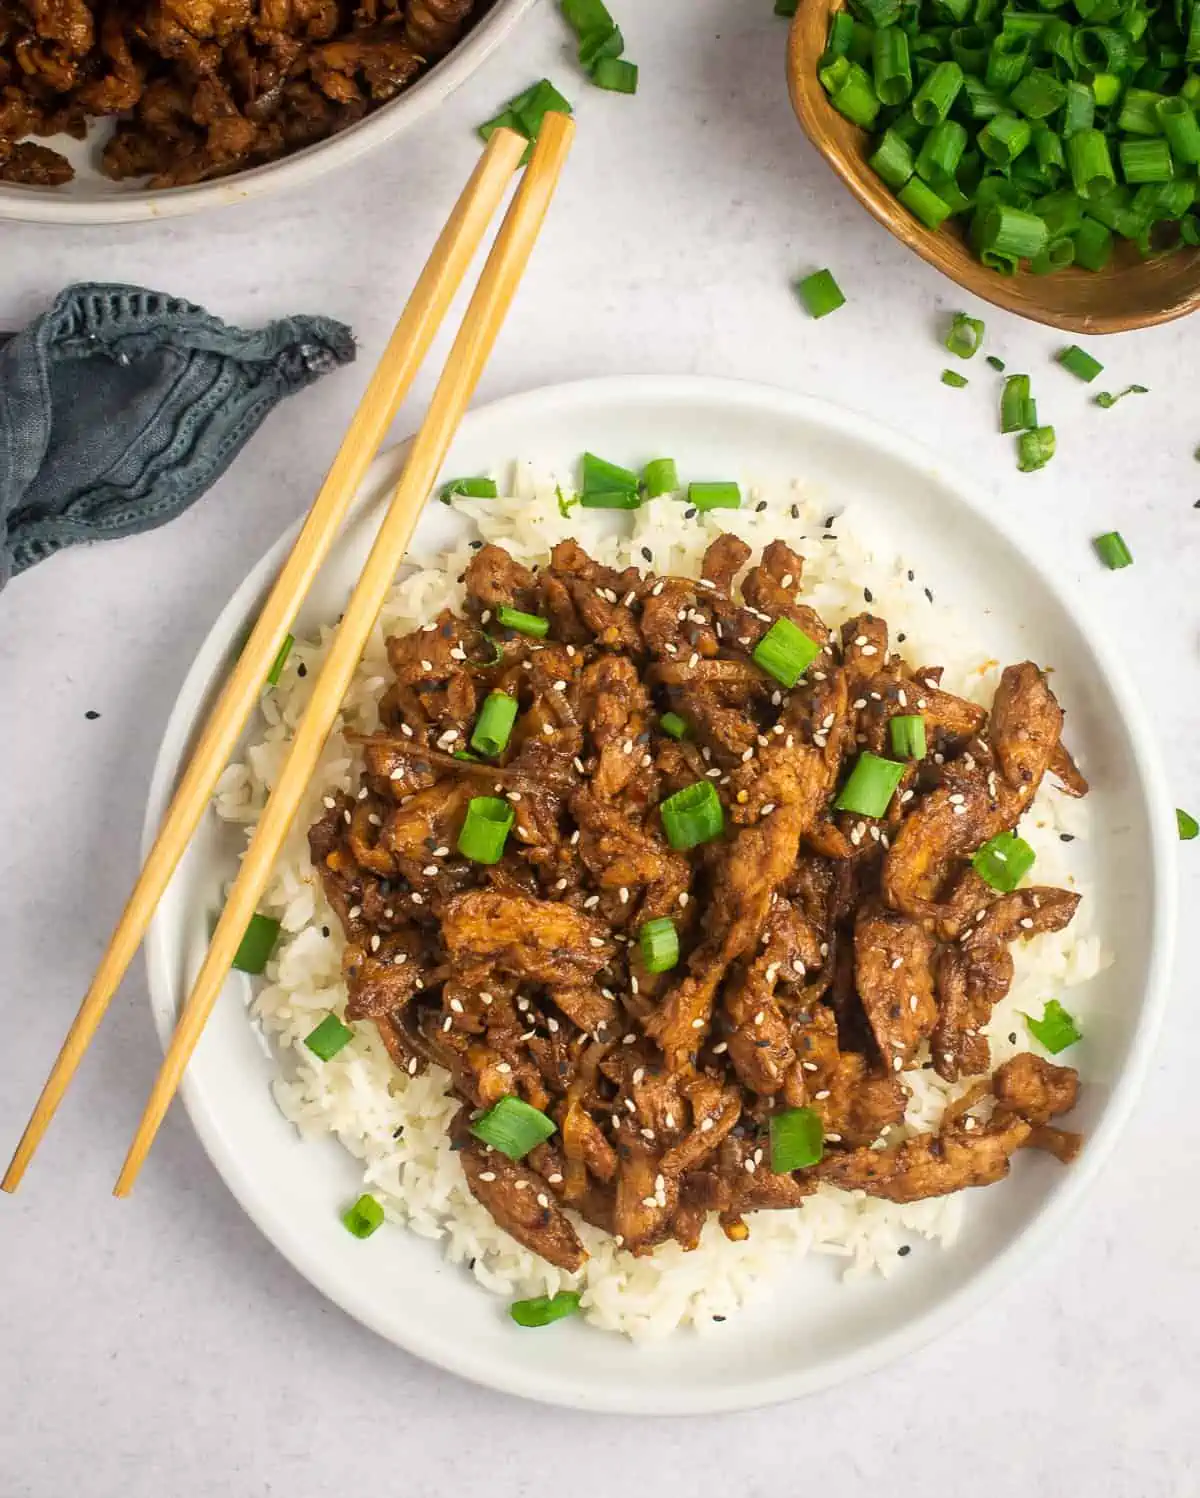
(396, 1125)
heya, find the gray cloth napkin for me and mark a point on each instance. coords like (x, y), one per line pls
(120, 406)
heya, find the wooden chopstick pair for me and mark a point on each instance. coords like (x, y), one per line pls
(391, 381)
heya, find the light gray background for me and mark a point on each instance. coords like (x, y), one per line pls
(160, 1348)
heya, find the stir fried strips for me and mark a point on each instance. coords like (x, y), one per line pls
(202, 88)
(817, 956)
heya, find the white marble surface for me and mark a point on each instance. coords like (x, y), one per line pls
(161, 1346)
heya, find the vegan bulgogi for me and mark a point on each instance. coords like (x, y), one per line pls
(202, 88)
(675, 972)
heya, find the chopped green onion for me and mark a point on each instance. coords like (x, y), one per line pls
(893, 161)
(893, 72)
(1078, 362)
(797, 1139)
(1035, 448)
(786, 652)
(923, 203)
(280, 661)
(495, 724)
(328, 1038)
(469, 489)
(526, 112)
(1079, 112)
(997, 364)
(603, 477)
(871, 786)
(1057, 255)
(1012, 233)
(965, 336)
(617, 74)
(565, 505)
(1007, 60)
(852, 93)
(466, 756)
(485, 829)
(524, 624)
(363, 1217)
(820, 293)
(1179, 126)
(673, 724)
(598, 45)
(1056, 1030)
(841, 30)
(1003, 138)
(715, 496)
(955, 380)
(1139, 113)
(586, 16)
(1003, 861)
(1106, 400)
(1017, 413)
(1187, 825)
(610, 499)
(1038, 95)
(1146, 161)
(257, 944)
(513, 1127)
(692, 816)
(908, 736)
(1090, 163)
(931, 103)
(541, 1310)
(1112, 551)
(659, 942)
(660, 476)
(1093, 245)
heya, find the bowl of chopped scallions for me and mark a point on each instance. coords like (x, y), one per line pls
(1047, 158)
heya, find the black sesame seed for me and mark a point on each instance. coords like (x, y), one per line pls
(1196, 504)
(829, 519)
(647, 553)
(690, 513)
(795, 512)
(900, 639)
(829, 536)
(904, 1250)
(471, 1264)
(1012, 1037)
(91, 715)
(911, 575)
(396, 1133)
(718, 1318)
(1066, 837)
(868, 595)
(325, 931)
(762, 505)
(929, 594)
(475, 545)
(301, 669)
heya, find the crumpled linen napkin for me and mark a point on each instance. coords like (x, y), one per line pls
(120, 406)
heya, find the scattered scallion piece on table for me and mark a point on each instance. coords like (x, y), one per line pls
(660, 476)
(328, 1038)
(1080, 363)
(542, 1310)
(280, 661)
(485, 829)
(1003, 861)
(513, 1127)
(786, 652)
(363, 1218)
(692, 816)
(495, 724)
(871, 785)
(616, 74)
(1056, 1030)
(723, 495)
(1106, 399)
(525, 113)
(1017, 410)
(1035, 448)
(469, 489)
(955, 380)
(907, 732)
(997, 364)
(1187, 824)
(659, 943)
(820, 293)
(524, 624)
(673, 724)
(797, 1139)
(965, 337)
(1112, 551)
(256, 945)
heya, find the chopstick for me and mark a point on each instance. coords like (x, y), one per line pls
(476, 337)
(405, 353)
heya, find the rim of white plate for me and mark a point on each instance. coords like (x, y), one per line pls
(458, 1357)
(50, 206)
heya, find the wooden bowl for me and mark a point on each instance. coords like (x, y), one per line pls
(1131, 293)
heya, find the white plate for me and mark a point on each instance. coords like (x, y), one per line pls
(93, 198)
(815, 1330)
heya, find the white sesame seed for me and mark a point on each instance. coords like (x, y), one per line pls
(720, 1048)
(697, 1024)
(623, 895)
(750, 1167)
(897, 1063)
(822, 1095)
(504, 1069)
(810, 1066)
(354, 912)
(412, 1067)
(487, 1175)
(595, 941)
(417, 899)
(447, 1023)
(669, 1120)
(486, 998)
(375, 943)
(456, 1005)
(1026, 922)
(706, 1125)
(521, 1185)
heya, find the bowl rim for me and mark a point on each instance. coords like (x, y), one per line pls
(1028, 1241)
(30, 205)
(992, 287)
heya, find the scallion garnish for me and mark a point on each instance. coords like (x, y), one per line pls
(820, 293)
(525, 113)
(1035, 449)
(674, 725)
(257, 945)
(955, 380)
(524, 624)
(1106, 400)
(495, 724)
(1187, 824)
(997, 364)
(693, 816)
(610, 499)
(1017, 411)
(513, 1127)
(660, 476)
(469, 489)
(1056, 1030)
(328, 1038)
(870, 787)
(659, 942)
(541, 1310)
(797, 1139)
(617, 74)
(598, 474)
(1080, 363)
(363, 1217)
(721, 495)
(908, 735)
(1112, 551)
(280, 661)
(1003, 861)
(485, 829)
(965, 336)
(786, 652)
